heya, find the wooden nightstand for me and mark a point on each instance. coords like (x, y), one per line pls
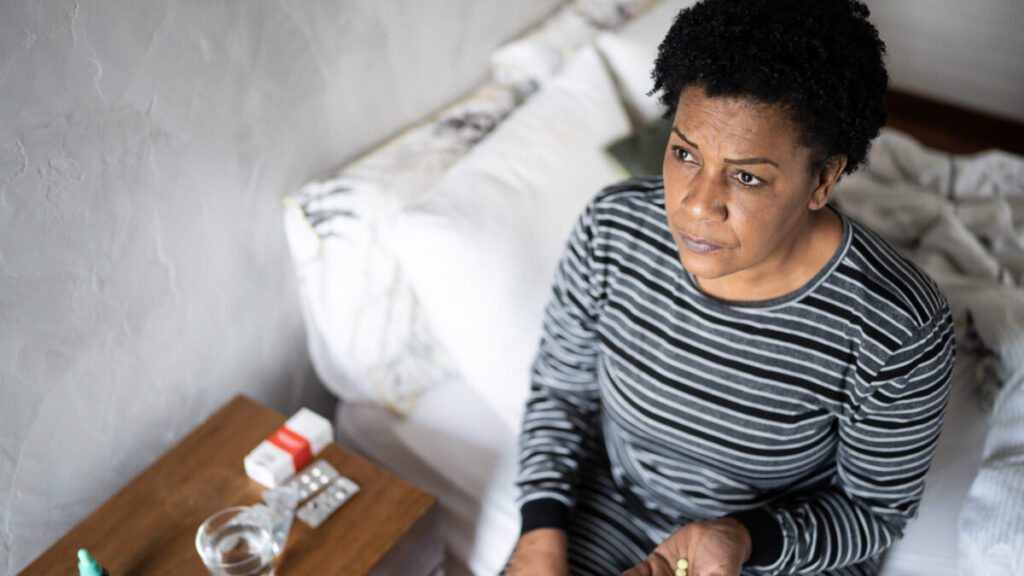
(149, 526)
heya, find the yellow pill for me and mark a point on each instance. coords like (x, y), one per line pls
(680, 571)
(683, 564)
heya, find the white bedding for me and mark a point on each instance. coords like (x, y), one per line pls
(450, 446)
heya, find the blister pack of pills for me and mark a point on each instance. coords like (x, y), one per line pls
(311, 479)
(327, 501)
(322, 490)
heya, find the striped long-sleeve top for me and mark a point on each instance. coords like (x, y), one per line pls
(812, 417)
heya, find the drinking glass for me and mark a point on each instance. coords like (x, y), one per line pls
(237, 541)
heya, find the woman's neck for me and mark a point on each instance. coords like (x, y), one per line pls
(809, 252)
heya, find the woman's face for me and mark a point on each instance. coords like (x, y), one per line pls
(740, 197)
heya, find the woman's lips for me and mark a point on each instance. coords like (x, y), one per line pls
(697, 245)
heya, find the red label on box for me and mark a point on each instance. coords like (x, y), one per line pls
(294, 444)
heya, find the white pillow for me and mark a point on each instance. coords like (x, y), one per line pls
(367, 338)
(630, 55)
(480, 248)
(529, 61)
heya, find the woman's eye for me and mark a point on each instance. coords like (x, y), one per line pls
(748, 179)
(682, 154)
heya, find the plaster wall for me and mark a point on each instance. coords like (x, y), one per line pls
(144, 150)
(967, 53)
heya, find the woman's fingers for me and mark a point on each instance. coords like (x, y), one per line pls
(654, 565)
(660, 565)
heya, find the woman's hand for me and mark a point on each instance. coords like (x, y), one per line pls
(540, 552)
(712, 548)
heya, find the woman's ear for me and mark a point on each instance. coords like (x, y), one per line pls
(825, 180)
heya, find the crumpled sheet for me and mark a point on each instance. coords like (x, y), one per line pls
(961, 218)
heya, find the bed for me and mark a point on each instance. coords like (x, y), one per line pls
(424, 267)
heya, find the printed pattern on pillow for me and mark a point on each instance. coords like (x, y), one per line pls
(368, 340)
(527, 62)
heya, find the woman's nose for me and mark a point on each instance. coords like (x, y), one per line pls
(703, 200)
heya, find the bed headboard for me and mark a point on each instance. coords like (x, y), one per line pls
(950, 127)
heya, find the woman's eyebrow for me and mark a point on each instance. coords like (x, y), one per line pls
(685, 139)
(740, 161)
(745, 161)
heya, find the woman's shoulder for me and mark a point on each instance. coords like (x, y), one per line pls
(625, 223)
(889, 283)
(634, 207)
(644, 190)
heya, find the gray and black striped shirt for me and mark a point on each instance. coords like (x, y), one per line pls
(812, 417)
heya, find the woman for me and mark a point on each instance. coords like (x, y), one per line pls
(734, 378)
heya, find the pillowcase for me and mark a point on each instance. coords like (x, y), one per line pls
(368, 340)
(630, 55)
(527, 62)
(480, 248)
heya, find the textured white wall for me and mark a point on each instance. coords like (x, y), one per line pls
(144, 149)
(968, 53)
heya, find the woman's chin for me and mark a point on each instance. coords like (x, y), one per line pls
(703, 266)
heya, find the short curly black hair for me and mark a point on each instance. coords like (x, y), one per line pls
(822, 60)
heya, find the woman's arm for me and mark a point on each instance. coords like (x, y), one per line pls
(540, 552)
(561, 411)
(885, 448)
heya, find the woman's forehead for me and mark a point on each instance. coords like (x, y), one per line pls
(735, 122)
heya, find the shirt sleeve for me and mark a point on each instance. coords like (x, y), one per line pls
(562, 407)
(886, 444)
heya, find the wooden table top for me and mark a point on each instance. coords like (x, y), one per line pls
(149, 526)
